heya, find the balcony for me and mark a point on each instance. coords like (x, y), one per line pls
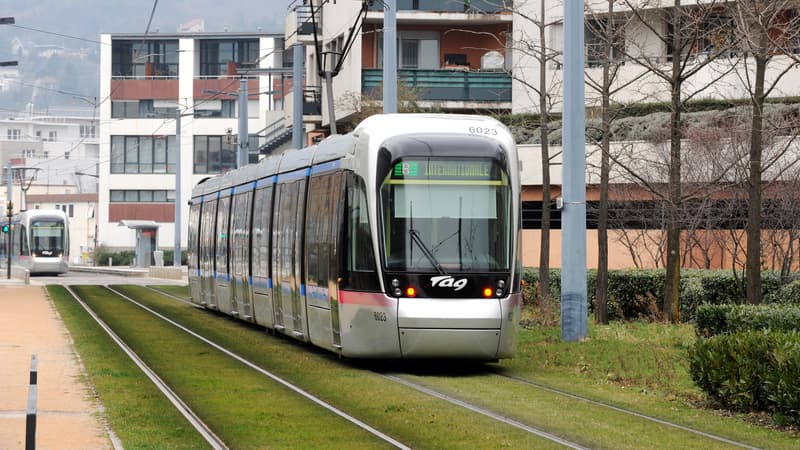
(447, 85)
(462, 6)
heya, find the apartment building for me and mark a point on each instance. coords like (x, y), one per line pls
(644, 35)
(153, 84)
(54, 162)
(454, 54)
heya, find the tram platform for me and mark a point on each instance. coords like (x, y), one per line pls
(68, 415)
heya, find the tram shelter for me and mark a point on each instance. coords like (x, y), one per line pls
(146, 239)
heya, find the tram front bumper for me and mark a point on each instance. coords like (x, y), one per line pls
(452, 328)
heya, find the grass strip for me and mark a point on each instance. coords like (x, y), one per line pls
(637, 366)
(632, 365)
(134, 408)
(244, 408)
(178, 291)
(416, 419)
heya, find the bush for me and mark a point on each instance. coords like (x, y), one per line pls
(122, 258)
(786, 294)
(712, 320)
(750, 370)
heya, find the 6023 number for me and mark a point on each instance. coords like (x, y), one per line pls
(482, 130)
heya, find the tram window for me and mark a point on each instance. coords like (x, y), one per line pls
(261, 226)
(360, 259)
(194, 216)
(207, 235)
(240, 232)
(223, 214)
(317, 230)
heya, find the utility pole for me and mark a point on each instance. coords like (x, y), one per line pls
(297, 97)
(176, 255)
(573, 216)
(9, 215)
(390, 57)
(244, 139)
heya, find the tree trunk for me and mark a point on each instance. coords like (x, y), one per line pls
(601, 291)
(671, 306)
(544, 249)
(753, 261)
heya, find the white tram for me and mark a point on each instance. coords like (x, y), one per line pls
(40, 241)
(398, 240)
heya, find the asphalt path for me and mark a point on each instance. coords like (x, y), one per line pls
(75, 277)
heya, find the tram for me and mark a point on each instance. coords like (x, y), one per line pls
(397, 240)
(40, 241)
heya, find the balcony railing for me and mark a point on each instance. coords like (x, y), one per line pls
(472, 6)
(447, 85)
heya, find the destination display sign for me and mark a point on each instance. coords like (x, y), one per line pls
(444, 169)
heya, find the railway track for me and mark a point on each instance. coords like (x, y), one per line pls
(446, 393)
(187, 412)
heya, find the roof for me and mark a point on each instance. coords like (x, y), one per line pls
(201, 35)
(62, 198)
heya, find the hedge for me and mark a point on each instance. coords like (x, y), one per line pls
(712, 320)
(639, 293)
(752, 370)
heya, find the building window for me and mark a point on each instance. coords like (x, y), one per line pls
(38, 135)
(141, 196)
(214, 154)
(66, 155)
(599, 34)
(144, 58)
(415, 50)
(223, 57)
(14, 134)
(215, 108)
(140, 109)
(142, 154)
(88, 131)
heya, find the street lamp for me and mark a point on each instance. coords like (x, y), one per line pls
(7, 21)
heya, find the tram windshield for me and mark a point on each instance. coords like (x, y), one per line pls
(47, 237)
(446, 215)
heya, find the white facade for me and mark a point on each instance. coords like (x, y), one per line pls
(722, 79)
(188, 99)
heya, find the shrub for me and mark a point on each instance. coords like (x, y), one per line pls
(726, 319)
(786, 294)
(750, 370)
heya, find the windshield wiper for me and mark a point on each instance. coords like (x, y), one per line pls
(430, 256)
(418, 240)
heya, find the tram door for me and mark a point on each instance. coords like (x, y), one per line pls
(240, 256)
(322, 258)
(206, 263)
(287, 254)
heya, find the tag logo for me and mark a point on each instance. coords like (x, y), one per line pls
(448, 281)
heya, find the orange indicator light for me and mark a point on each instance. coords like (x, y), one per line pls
(411, 292)
(487, 292)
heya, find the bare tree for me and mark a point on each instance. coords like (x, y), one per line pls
(690, 34)
(535, 47)
(766, 28)
(606, 31)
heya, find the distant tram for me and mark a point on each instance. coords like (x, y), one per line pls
(398, 240)
(40, 241)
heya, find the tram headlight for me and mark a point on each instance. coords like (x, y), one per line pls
(487, 292)
(411, 291)
(398, 292)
